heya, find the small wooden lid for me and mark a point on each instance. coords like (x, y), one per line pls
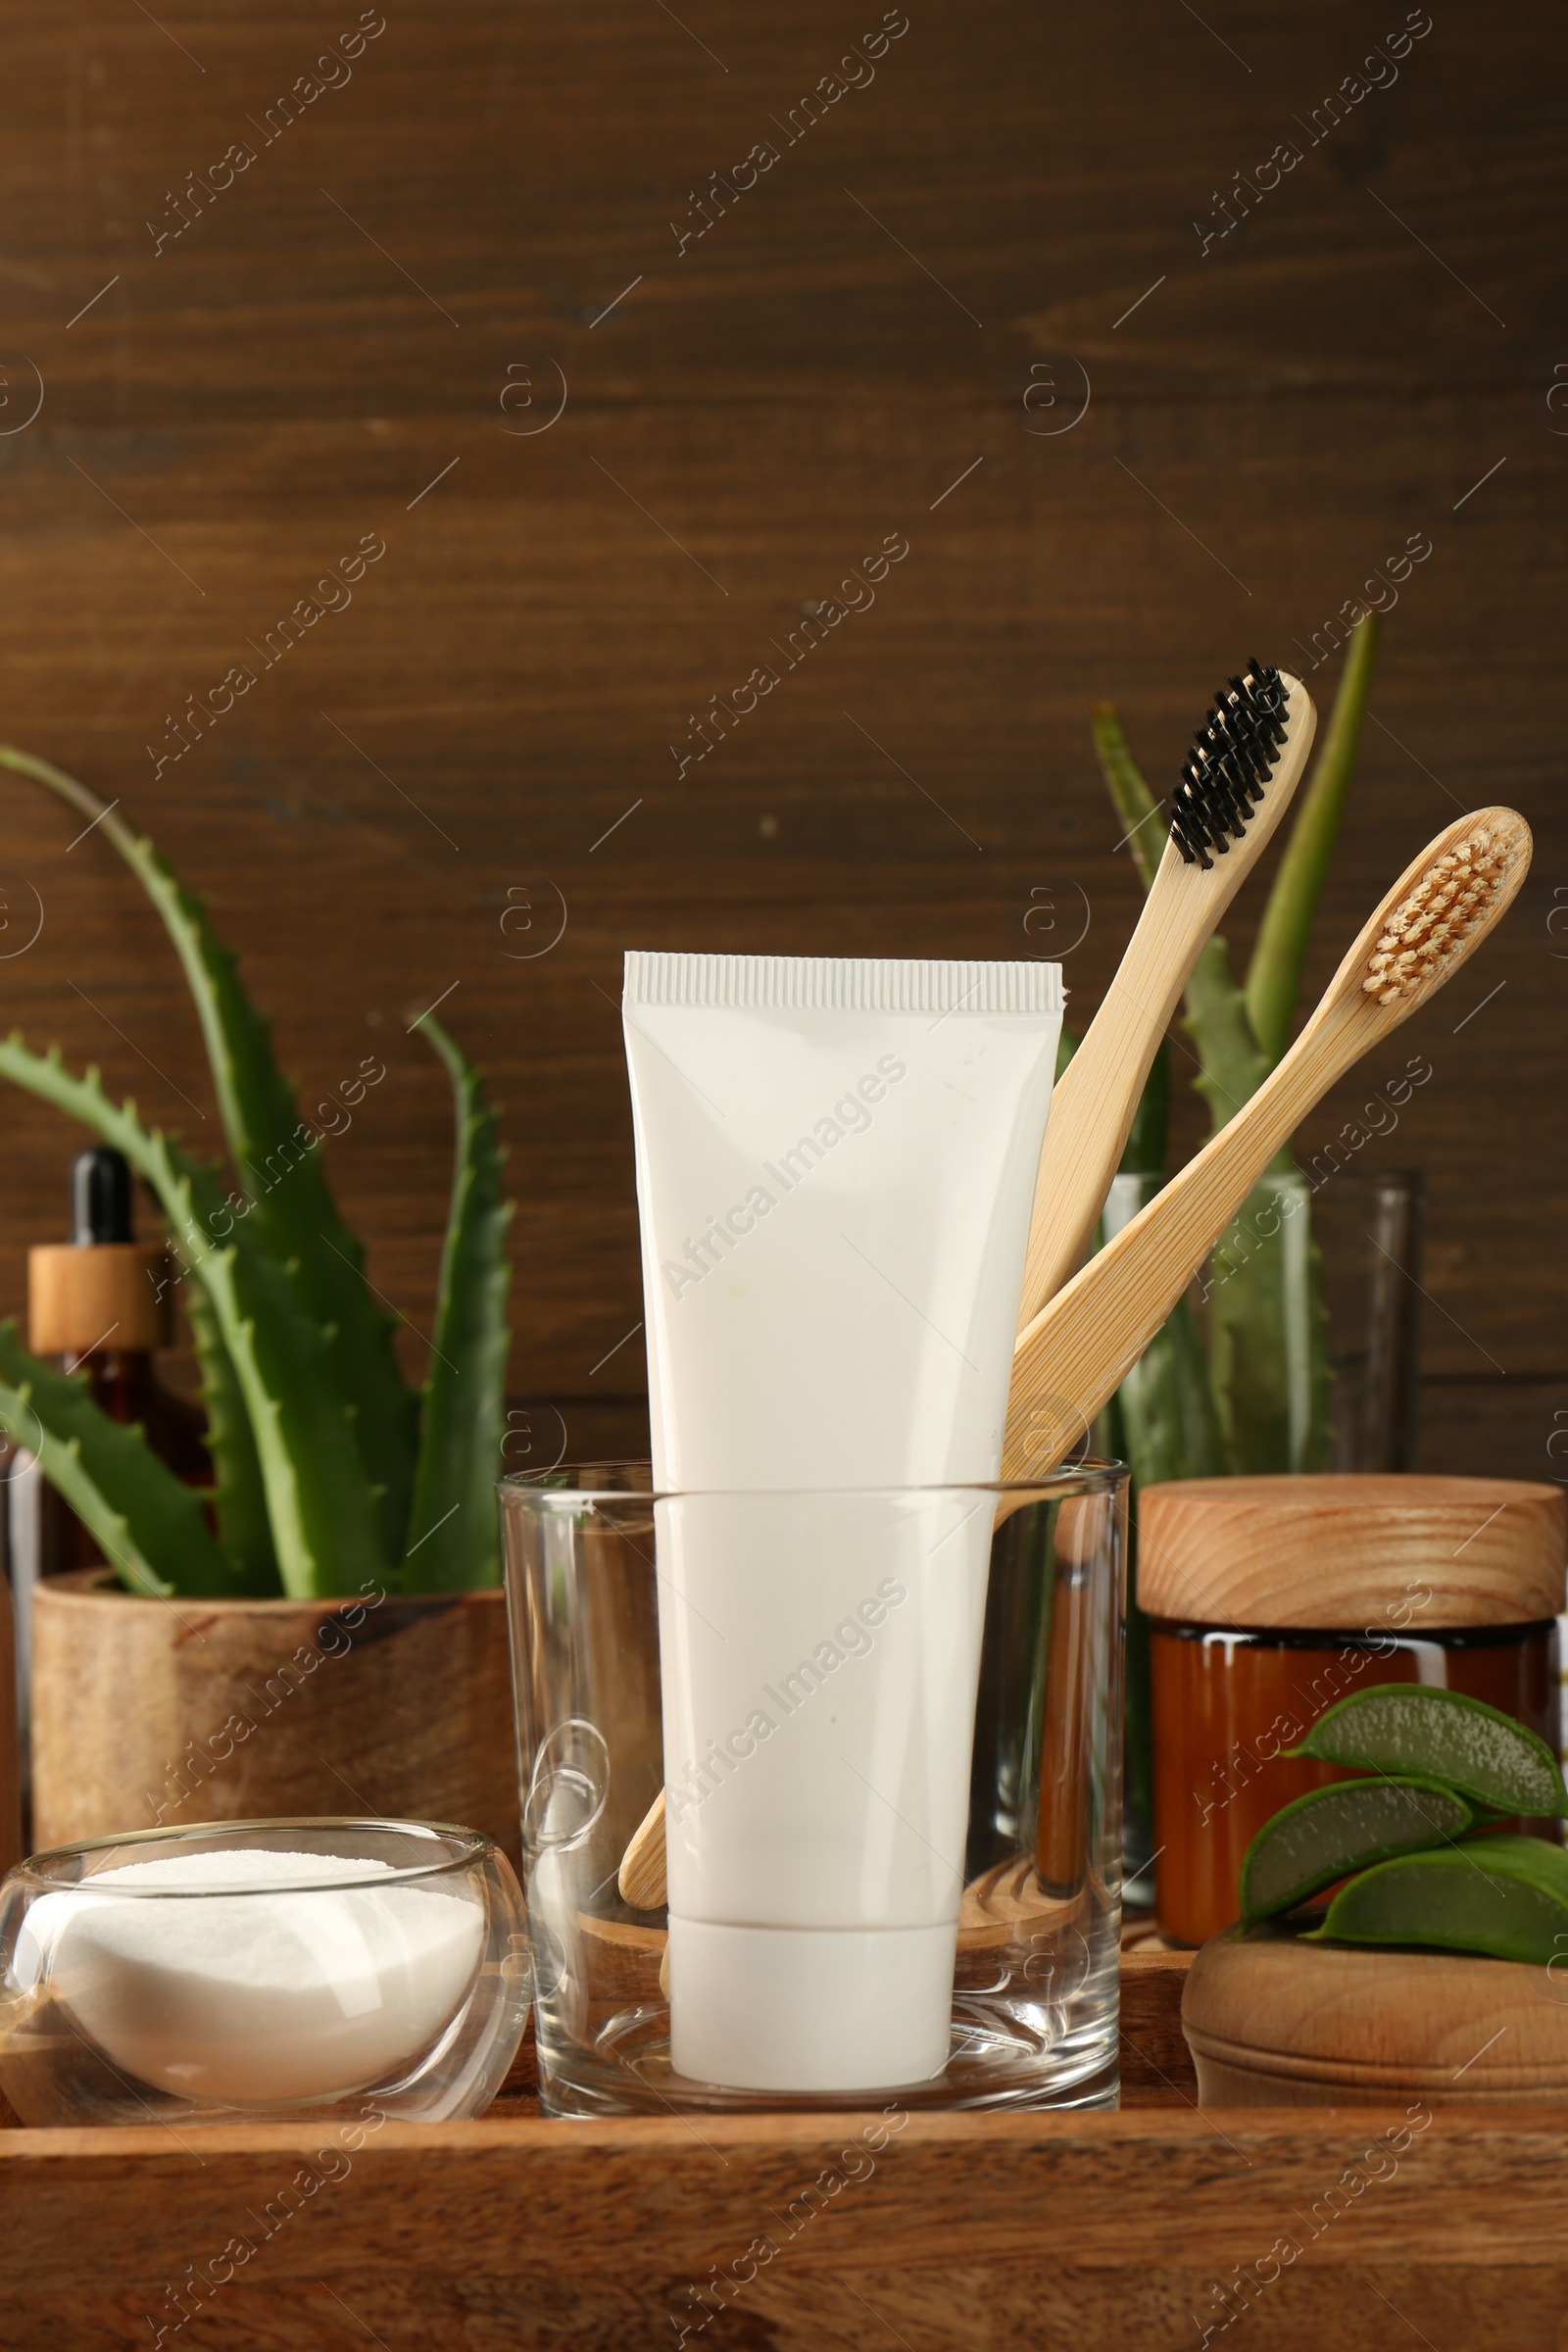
(1344, 1552)
(1272, 2021)
(86, 1296)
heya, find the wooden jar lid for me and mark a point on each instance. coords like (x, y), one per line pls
(1347, 1552)
(83, 1295)
(1272, 2022)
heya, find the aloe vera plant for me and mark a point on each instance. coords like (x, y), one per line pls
(331, 1472)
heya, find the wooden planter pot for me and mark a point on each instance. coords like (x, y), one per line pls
(150, 1714)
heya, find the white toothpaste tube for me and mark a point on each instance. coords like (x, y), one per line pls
(834, 1164)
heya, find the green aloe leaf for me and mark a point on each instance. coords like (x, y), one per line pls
(1232, 1063)
(148, 1523)
(1490, 1757)
(279, 1163)
(240, 1496)
(1321, 1837)
(1274, 975)
(1170, 1429)
(321, 1507)
(1135, 805)
(1503, 1897)
(452, 1531)
(1268, 1332)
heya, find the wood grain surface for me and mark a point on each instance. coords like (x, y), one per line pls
(877, 340)
(1234, 1550)
(962, 2233)
(398, 1705)
(1274, 2022)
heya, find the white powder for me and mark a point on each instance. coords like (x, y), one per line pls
(262, 1997)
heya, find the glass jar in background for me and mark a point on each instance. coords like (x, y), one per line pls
(1368, 1225)
(1017, 1864)
(1310, 1310)
(1296, 1349)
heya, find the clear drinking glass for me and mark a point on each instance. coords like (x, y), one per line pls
(922, 1740)
(349, 1973)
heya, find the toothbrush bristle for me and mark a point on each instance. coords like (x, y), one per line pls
(1451, 896)
(1224, 774)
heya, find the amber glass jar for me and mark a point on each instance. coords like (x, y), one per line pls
(1226, 1703)
(1450, 1583)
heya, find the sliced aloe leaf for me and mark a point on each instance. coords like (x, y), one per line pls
(279, 1162)
(1443, 1735)
(453, 1537)
(1330, 1833)
(1504, 1896)
(148, 1524)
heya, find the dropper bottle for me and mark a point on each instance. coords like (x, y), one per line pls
(102, 1305)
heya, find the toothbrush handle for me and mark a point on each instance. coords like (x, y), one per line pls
(1096, 1099)
(1075, 1352)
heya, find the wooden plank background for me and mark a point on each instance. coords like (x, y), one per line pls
(370, 331)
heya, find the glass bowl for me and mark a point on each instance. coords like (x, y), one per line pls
(262, 1971)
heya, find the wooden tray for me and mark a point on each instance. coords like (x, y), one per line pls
(962, 2231)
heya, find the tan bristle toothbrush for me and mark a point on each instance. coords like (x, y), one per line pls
(1246, 760)
(1073, 1354)
(1072, 1357)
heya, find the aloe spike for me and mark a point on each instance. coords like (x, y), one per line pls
(1232, 1063)
(1135, 805)
(459, 1447)
(1274, 975)
(319, 1503)
(291, 1201)
(136, 1509)
(322, 1509)
(240, 1496)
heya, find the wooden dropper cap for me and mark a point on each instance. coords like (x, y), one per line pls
(1340, 1552)
(101, 1289)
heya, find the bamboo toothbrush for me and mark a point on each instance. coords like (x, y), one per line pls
(1245, 761)
(641, 1876)
(1073, 1354)
(1072, 1357)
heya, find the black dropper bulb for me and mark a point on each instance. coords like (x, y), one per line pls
(100, 1195)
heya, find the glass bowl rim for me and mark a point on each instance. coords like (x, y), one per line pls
(476, 1848)
(1094, 1475)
